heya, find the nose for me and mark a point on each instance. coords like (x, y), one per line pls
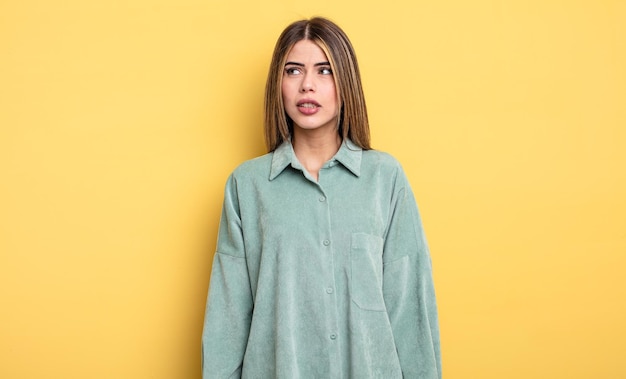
(307, 84)
(306, 87)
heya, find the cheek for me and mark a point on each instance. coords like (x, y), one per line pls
(287, 89)
(331, 92)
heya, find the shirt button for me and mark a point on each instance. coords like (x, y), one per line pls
(329, 290)
(333, 336)
(322, 199)
(326, 242)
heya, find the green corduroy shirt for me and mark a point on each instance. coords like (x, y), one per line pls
(321, 279)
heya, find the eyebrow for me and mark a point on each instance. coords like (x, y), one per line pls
(302, 64)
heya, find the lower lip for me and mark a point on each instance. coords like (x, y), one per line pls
(308, 111)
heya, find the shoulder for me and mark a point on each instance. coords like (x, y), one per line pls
(248, 175)
(256, 167)
(380, 161)
(385, 168)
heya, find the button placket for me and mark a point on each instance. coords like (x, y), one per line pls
(330, 299)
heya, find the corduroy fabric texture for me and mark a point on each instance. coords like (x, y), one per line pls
(321, 279)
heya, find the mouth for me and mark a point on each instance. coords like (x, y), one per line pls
(308, 104)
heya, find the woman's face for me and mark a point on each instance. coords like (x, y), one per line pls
(308, 88)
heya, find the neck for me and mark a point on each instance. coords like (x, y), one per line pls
(315, 149)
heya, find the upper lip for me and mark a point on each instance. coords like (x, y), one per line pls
(308, 101)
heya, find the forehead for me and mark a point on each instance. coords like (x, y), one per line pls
(306, 51)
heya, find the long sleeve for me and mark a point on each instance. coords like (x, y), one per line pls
(229, 304)
(296, 284)
(408, 288)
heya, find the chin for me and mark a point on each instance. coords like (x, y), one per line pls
(310, 124)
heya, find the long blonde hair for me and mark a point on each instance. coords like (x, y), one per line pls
(353, 122)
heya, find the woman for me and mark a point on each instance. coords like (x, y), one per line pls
(322, 268)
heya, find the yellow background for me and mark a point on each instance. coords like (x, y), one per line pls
(120, 121)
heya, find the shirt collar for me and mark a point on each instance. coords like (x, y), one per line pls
(349, 155)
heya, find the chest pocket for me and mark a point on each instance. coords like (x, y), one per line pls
(366, 276)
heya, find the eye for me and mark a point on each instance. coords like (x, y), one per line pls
(326, 71)
(293, 71)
